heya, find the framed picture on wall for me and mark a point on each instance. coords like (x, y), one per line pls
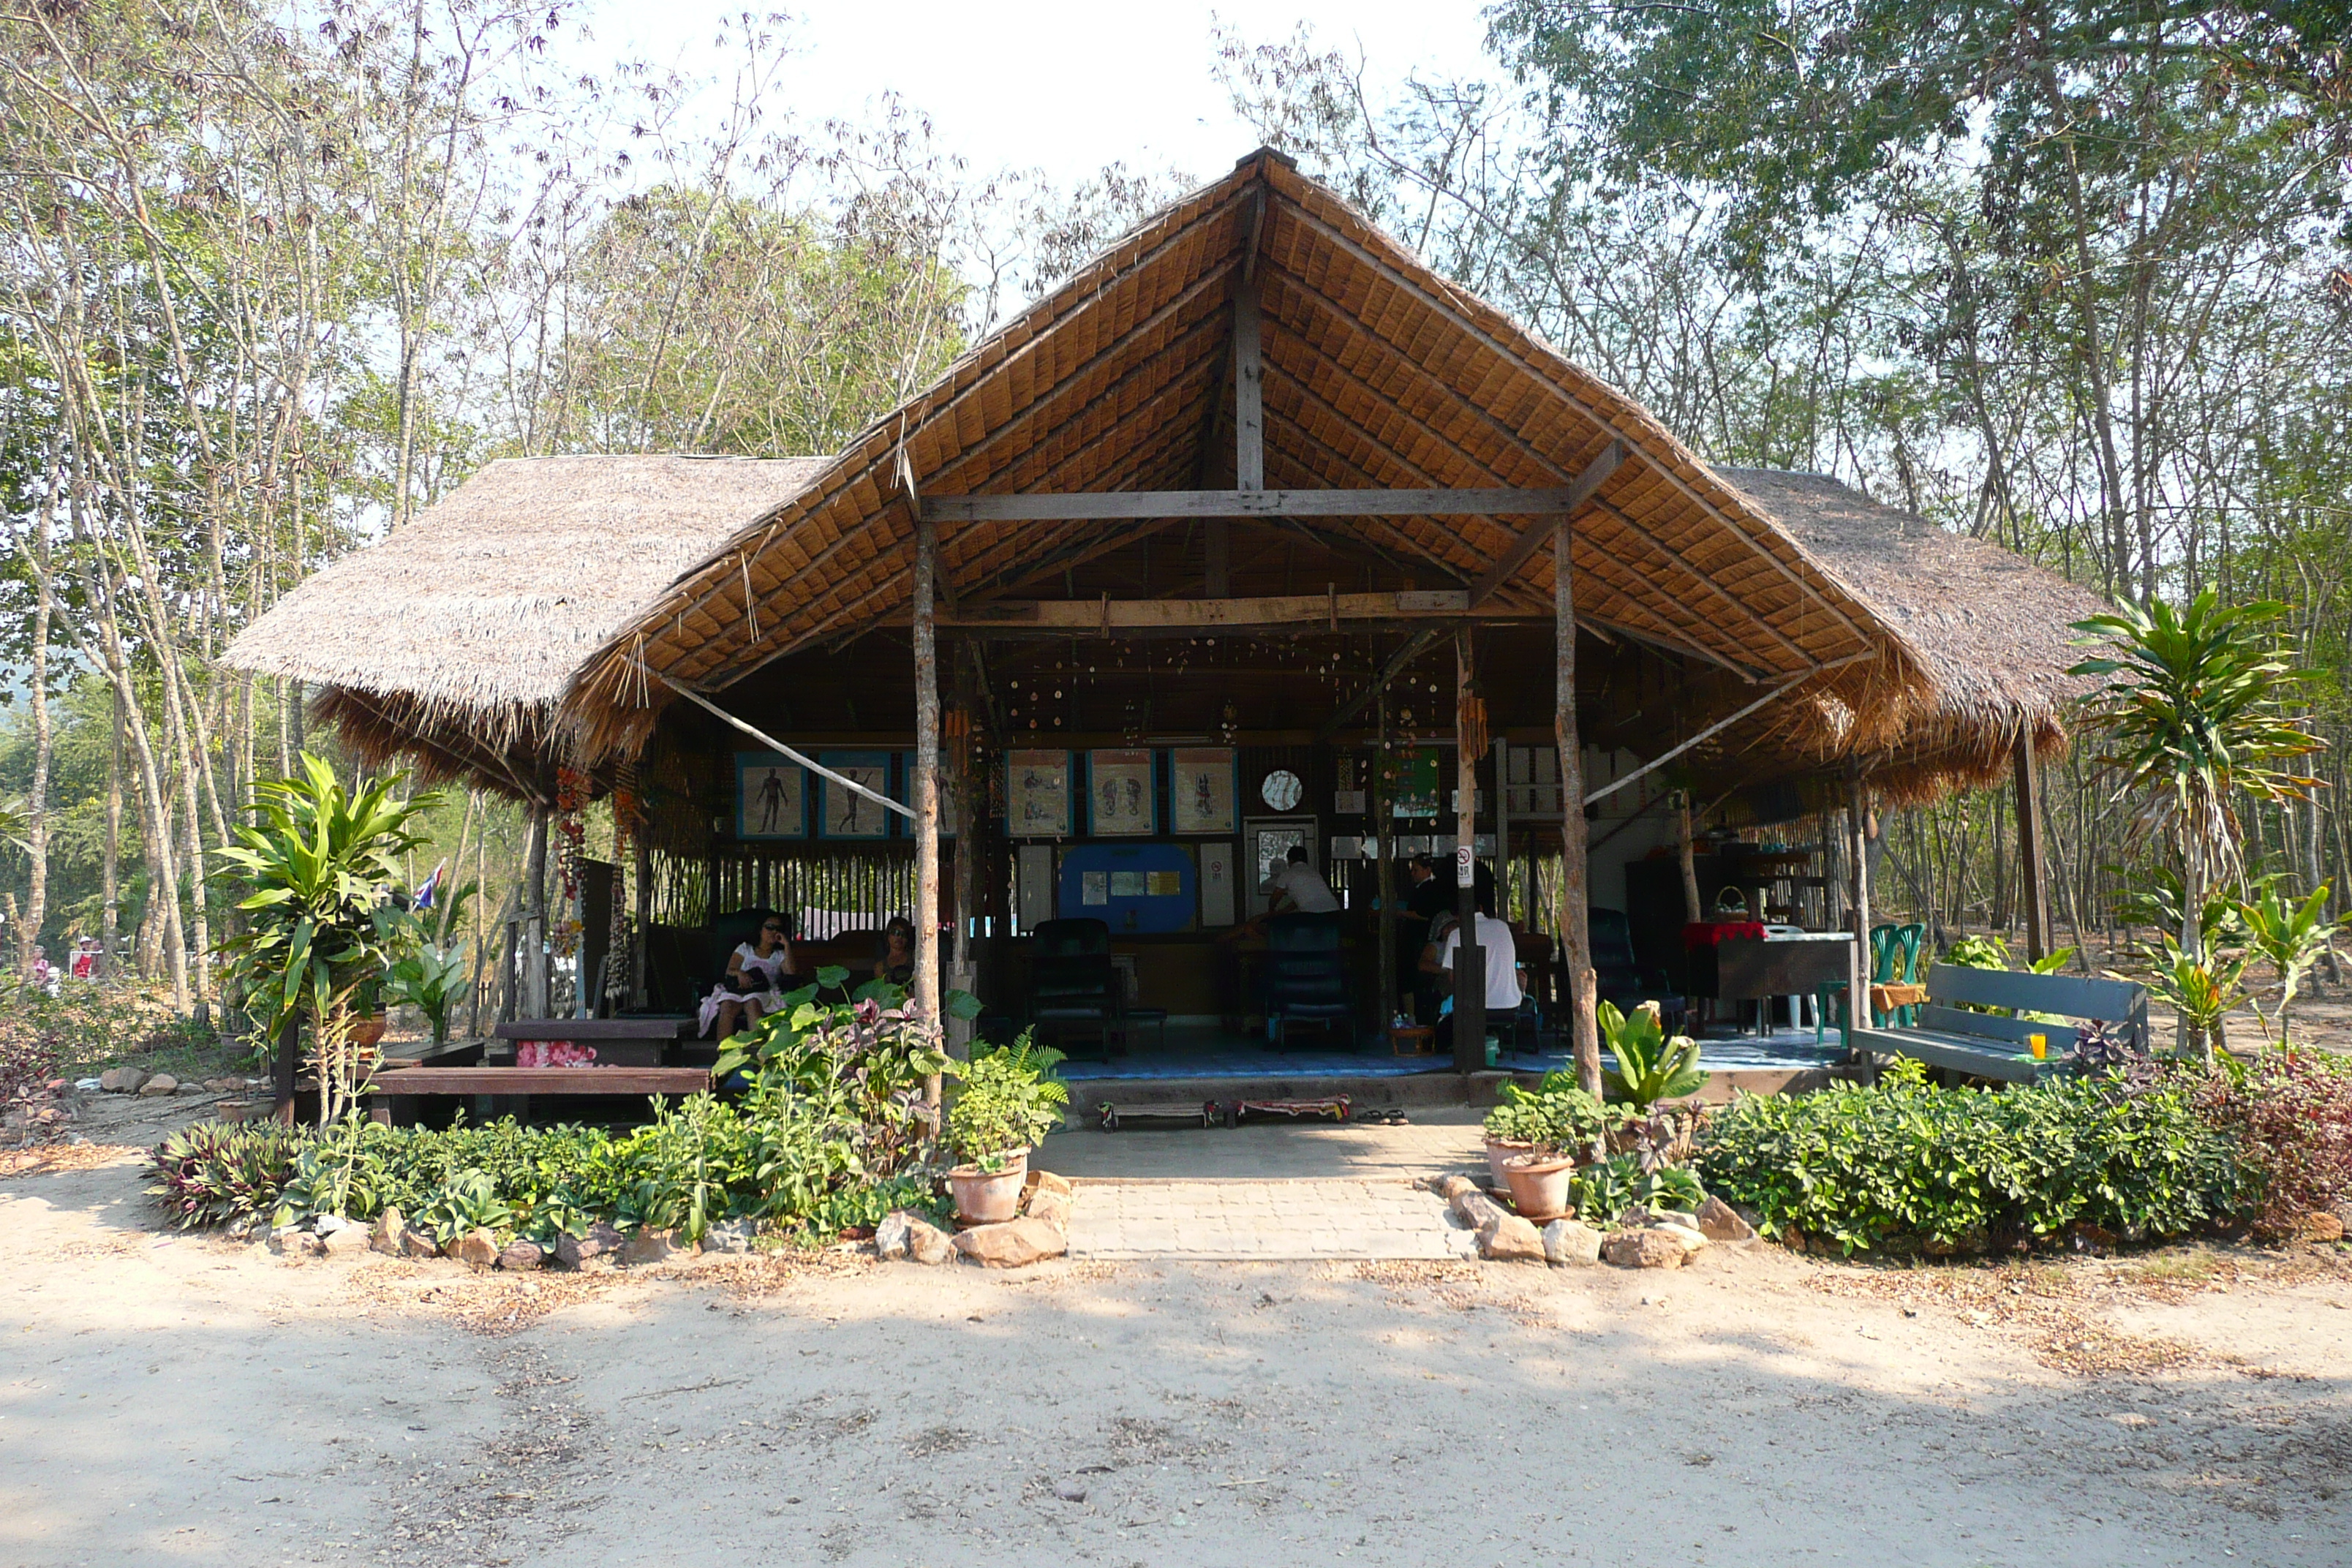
(905, 796)
(1119, 796)
(1200, 790)
(844, 813)
(771, 796)
(1037, 795)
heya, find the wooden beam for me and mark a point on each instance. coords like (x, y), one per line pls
(1575, 877)
(2029, 844)
(1580, 489)
(926, 785)
(1469, 956)
(1118, 505)
(1119, 615)
(1249, 400)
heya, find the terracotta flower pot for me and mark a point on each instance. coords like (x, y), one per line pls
(987, 1197)
(368, 1031)
(1498, 1151)
(1539, 1183)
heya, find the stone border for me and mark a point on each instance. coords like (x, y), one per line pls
(1641, 1238)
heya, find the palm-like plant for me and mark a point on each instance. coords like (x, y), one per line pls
(1650, 1065)
(2291, 936)
(317, 867)
(2192, 703)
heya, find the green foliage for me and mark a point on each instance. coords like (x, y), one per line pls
(2202, 991)
(2291, 937)
(1605, 1189)
(1007, 1101)
(468, 1201)
(857, 1066)
(315, 869)
(1907, 1165)
(1650, 1066)
(429, 978)
(1556, 1116)
(2291, 1116)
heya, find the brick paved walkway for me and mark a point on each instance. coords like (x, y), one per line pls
(1297, 1219)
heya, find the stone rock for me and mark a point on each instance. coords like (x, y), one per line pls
(386, 1234)
(348, 1242)
(1451, 1187)
(1070, 1488)
(1682, 1217)
(1507, 1238)
(928, 1244)
(1474, 1208)
(651, 1244)
(598, 1246)
(121, 1080)
(1718, 1221)
(1643, 1248)
(416, 1243)
(890, 1236)
(478, 1248)
(1051, 1206)
(194, 1089)
(292, 1243)
(730, 1235)
(1571, 1244)
(240, 1110)
(161, 1084)
(522, 1257)
(224, 1085)
(1013, 1244)
(1048, 1182)
(2323, 1225)
(1690, 1240)
(328, 1223)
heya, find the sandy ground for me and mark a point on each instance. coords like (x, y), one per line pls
(177, 1400)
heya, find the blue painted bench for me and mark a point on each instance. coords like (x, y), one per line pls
(1986, 1045)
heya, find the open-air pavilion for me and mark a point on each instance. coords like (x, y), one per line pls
(1254, 534)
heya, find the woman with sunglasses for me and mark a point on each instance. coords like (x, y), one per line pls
(754, 983)
(896, 964)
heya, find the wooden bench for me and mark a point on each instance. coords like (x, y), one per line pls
(392, 1084)
(1986, 1045)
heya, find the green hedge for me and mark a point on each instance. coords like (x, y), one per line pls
(1908, 1166)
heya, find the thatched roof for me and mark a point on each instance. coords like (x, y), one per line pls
(1378, 373)
(452, 640)
(1991, 627)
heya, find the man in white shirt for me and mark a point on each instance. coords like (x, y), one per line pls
(1501, 958)
(1295, 886)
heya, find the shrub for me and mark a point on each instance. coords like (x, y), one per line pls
(1009, 1100)
(2291, 1115)
(220, 1173)
(1908, 1164)
(1650, 1066)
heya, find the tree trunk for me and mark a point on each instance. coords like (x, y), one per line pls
(111, 854)
(36, 794)
(1575, 876)
(534, 957)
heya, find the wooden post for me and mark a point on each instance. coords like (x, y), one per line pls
(1687, 846)
(1858, 842)
(1469, 958)
(1575, 876)
(927, 790)
(283, 1070)
(533, 1000)
(965, 977)
(1385, 876)
(641, 874)
(2029, 848)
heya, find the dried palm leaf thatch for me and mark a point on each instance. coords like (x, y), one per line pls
(449, 644)
(1377, 374)
(1993, 630)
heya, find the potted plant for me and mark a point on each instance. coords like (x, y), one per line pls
(1541, 1136)
(1007, 1101)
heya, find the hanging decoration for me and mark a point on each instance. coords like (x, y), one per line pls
(572, 789)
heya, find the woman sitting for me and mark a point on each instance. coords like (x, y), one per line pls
(896, 964)
(754, 983)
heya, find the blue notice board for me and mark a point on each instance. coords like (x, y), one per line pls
(1130, 887)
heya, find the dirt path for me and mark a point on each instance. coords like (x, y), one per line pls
(183, 1401)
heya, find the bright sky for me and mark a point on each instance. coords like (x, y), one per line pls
(1060, 85)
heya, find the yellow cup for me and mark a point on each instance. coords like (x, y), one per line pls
(2041, 1046)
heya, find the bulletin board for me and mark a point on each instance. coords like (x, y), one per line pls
(1132, 887)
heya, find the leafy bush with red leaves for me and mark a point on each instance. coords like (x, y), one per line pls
(2291, 1115)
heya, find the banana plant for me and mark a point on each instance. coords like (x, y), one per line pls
(1650, 1066)
(429, 979)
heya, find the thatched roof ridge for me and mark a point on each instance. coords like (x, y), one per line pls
(474, 617)
(1378, 373)
(1992, 628)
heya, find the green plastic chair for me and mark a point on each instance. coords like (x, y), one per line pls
(1893, 961)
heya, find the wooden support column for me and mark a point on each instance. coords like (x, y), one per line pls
(2029, 846)
(1384, 877)
(926, 789)
(1858, 843)
(1575, 875)
(965, 975)
(1469, 958)
(534, 987)
(641, 879)
(282, 1073)
(1686, 846)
